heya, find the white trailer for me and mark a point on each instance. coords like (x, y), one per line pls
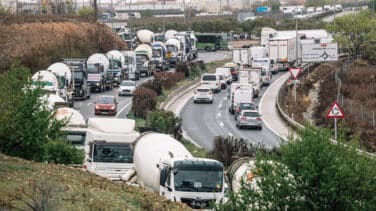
(240, 55)
(131, 65)
(239, 93)
(283, 49)
(108, 146)
(166, 167)
(258, 52)
(252, 76)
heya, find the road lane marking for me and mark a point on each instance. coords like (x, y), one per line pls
(89, 104)
(230, 134)
(221, 123)
(219, 114)
(122, 109)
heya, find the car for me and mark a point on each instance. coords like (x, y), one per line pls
(127, 88)
(249, 118)
(244, 106)
(222, 80)
(105, 105)
(203, 94)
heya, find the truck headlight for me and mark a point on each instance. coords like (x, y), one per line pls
(97, 84)
(116, 78)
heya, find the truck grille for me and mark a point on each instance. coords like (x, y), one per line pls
(198, 203)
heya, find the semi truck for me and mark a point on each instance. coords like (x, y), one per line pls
(185, 40)
(81, 87)
(98, 76)
(64, 77)
(283, 49)
(143, 56)
(117, 66)
(251, 76)
(165, 166)
(159, 56)
(131, 65)
(108, 146)
(241, 55)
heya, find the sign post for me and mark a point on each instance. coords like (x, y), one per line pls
(335, 112)
(294, 73)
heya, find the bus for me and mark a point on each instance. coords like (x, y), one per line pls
(211, 42)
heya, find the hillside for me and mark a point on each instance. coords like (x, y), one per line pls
(64, 188)
(38, 41)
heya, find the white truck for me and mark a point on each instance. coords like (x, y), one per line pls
(131, 65)
(64, 76)
(174, 54)
(267, 66)
(257, 52)
(108, 146)
(75, 129)
(239, 93)
(143, 57)
(283, 49)
(266, 34)
(169, 33)
(98, 76)
(159, 56)
(145, 36)
(165, 166)
(251, 76)
(226, 71)
(241, 55)
(117, 66)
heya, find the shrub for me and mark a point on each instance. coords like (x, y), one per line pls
(144, 100)
(164, 122)
(182, 67)
(169, 79)
(62, 152)
(155, 85)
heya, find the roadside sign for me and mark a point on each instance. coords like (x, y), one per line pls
(320, 52)
(290, 82)
(335, 111)
(295, 72)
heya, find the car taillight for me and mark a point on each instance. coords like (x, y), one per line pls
(244, 118)
(258, 118)
(237, 110)
(96, 107)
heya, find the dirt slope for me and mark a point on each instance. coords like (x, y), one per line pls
(38, 41)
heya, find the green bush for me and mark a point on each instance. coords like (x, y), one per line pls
(155, 85)
(62, 152)
(164, 122)
(182, 67)
(143, 101)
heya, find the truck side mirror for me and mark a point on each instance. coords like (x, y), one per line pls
(169, 188)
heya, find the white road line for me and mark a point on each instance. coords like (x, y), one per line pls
(220, 106)
(225, 98)
(122, 109)
(230, 134)
(219, 114)
(221, 123)
(89, 104)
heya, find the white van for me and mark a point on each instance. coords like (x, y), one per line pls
(212, 80)
(226, 71)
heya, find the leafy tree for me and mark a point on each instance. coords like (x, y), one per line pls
(309, 173)
(274, 4)
(317, 3)
(85, 12)
(354, 31)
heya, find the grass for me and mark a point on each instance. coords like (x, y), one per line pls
(69, 189)
(193, 149)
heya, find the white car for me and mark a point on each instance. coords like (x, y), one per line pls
(127, 88)
(203, 94)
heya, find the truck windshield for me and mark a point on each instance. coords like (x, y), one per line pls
(114, 64)
(198, 180)
(92, 68)
(128, 60)
(78, 75)
(171, 48)
(157, 53)
(112, 153)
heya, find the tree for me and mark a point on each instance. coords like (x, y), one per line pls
(85, 12)
(310, 173)
(354, 31)
(274, 4)
(317, 3)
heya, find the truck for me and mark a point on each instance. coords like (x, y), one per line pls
(131, 65)
(257, 52)
(251, 76)
(169, 33)
(74, 132)
(64, 77)
(193, 44)
(163, 165)
(98, 76)
(266, 34)
(241, 55)
(174, 55)
(108, 146)
(117, 66)
(143, 56)
(159, 56)
(52, 101)
(283, 49)
(239, 93)
(185, 39)
(81, 87)
(145, 36)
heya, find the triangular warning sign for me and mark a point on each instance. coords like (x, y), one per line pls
(335, 111)
(295, 72)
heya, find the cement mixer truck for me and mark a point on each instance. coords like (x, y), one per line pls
(46, 80)
(145, 36)
(117, 66)
(159, 56)
(174, 54)
(81, 88)
(169, 33)
(143, 57)
(64, 77)
(166, 167)
(98, 76)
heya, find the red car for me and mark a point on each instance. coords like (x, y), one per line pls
(105, 105)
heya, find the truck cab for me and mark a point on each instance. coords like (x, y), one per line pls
(108, 147)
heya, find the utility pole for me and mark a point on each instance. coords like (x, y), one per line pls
(129, 24)
(163, 17)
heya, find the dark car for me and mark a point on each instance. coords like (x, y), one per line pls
(105, 105)
(244, 106)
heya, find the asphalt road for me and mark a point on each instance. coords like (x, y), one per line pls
(86, 107)
(202, 122)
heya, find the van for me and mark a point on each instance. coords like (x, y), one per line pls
(212, 80)
(226, 71)
(239, 93)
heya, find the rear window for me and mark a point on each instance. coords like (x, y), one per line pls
(203, 90)
(209, 77)
(251, 114)
(263, 73)
(247, 106)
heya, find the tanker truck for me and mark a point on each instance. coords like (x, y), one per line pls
(64, 77)
(117, 66)
(74, 132)
(98, 76)
(108, 146)
(143, 56)
(81, 88)
(174, 55)
(159, 56)
(165, 166)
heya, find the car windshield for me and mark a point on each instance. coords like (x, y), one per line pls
(112, 153)
(263, 73)
(203, 90)
(198, 180)
(250, 106)
(127, 83)
(251, 114)
(105, 100)
(209, 78)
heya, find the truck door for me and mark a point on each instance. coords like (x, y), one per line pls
(166, 187)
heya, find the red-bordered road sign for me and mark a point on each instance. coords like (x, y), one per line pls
(295, 72)
(335, 111)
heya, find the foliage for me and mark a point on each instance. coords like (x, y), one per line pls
(275, 4)
(85, 12)
(62, 152)
(169, 79)
(164, 122)
(183, 68)
(143, 101)
(355, 32)
(255, 26)
(311, 173)
(317, 3)
(154, 84)
(311, 23)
